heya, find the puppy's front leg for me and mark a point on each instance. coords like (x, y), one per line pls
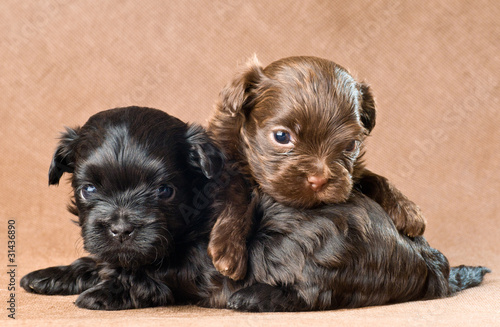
(63, 280)
(227, 246)
(405, 214)
(122, 290)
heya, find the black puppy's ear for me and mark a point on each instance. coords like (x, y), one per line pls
(235, 94)
(63, 159)
(203, 152)
(368, 111)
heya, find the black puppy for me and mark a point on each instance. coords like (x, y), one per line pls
(139, 178)
(144, 184)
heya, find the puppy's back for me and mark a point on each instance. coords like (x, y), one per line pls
(345, 255)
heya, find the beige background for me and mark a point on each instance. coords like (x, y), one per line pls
(433, 66)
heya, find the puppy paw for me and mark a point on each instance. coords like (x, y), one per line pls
(265, 298)
(248, 299)
(105, 296)
(63, 280)
(50, 281)
(229, 258)
(39, 282)
(408, 218)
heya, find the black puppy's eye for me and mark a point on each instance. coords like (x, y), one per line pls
(87, 191)
(282, 137)
(165, 192)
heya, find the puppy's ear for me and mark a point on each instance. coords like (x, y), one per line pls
(203, 152)
(235, 94)
(368, 111)
(63, 160)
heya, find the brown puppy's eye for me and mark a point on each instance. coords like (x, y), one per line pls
(352, 146)
(282, 137)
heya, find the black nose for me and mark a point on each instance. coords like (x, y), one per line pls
(121, 231)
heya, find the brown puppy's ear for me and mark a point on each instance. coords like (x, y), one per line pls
(63, 159)
(238, 92)
(203, 152)
(368, 111)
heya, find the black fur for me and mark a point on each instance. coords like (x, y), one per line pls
(149, 249)
(341, 256)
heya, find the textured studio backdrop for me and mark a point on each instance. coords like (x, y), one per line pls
(432, 66)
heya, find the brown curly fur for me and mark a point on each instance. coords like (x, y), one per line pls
(325, 110)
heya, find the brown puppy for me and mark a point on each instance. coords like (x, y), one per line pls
(295, 129)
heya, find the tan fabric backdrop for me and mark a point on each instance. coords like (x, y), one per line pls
(433, 66)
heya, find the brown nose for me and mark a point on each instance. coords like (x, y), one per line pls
(316, 182)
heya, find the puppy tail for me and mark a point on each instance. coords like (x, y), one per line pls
(463, 277)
